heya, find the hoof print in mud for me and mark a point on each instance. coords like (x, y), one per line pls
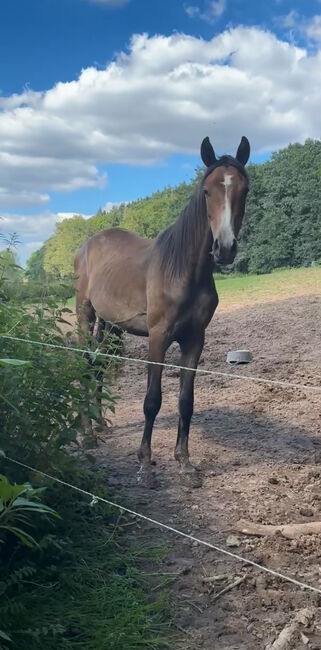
(191, 479)
(147, 479)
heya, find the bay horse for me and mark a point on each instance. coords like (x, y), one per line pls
(163, 288)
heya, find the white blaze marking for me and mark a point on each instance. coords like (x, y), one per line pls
(227, 234)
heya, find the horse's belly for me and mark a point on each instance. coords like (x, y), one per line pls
(117, 304)
(136, 325)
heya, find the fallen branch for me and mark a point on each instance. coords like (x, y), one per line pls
(217, 578)
(303, 617)
(290, 531)
(229, 587)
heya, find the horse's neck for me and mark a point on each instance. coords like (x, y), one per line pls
(204, 262)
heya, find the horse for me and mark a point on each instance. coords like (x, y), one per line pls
(163, 288)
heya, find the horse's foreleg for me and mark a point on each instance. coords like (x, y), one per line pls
(191, 349)
(152, 404)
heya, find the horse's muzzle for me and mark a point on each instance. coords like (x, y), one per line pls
(224, 254)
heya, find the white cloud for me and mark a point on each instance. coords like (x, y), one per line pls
(289, 20)
(61, 216)
(313, 29)
(32, 230)
(161, 97)
(23, 199)
(109, 206)
(214, 9)
(192, 11)
(298, 24)
(38, 226)
(32, 246)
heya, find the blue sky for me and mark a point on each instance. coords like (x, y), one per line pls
(106, 100)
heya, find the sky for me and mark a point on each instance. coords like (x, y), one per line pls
(104, 101)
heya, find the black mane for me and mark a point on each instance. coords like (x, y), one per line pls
(178, 242)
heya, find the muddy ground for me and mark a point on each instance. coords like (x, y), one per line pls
(259, 450)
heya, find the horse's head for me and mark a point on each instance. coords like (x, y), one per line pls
(225, 185)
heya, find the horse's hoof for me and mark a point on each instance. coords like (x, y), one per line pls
(190, 478)
(146, 477)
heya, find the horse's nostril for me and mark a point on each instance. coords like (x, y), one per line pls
(234, 245)
(216, 246)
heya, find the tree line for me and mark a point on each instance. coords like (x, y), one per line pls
(282, 227)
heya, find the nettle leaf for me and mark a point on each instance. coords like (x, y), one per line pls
(14, 362)
(8, 492)
(33, 506)
(24, 537)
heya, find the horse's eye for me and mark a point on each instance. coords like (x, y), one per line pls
(205, 191)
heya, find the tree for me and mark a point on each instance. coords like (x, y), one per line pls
(10, 271)
(284, 211)
(60, 249)
(35, 266)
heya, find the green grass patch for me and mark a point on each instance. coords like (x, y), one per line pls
(281, 284)
(87, 588)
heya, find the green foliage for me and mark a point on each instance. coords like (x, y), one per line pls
(60, 249)
(71, 584)
(83, 588)
(148, 217)
(44, 392)
(35, 266)
(45, 398)
(103, 220)
(11, 274)
(283, 215)
(31, 291)
(17, 503)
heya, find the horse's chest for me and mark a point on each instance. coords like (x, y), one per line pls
(197, 312)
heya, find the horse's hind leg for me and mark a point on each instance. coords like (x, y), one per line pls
(108, 338)
(191, 348)
(86, 322)
(86, 317)
(99, 374)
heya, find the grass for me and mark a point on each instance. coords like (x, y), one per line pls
(87, 590)
(241, 290)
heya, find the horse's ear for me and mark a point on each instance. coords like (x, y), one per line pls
(243, 152)
(207, 153)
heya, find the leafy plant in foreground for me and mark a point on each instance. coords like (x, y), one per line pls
(18, 504)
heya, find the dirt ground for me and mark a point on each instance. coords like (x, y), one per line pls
(259, 451)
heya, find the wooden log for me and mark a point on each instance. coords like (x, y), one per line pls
(290, 531)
